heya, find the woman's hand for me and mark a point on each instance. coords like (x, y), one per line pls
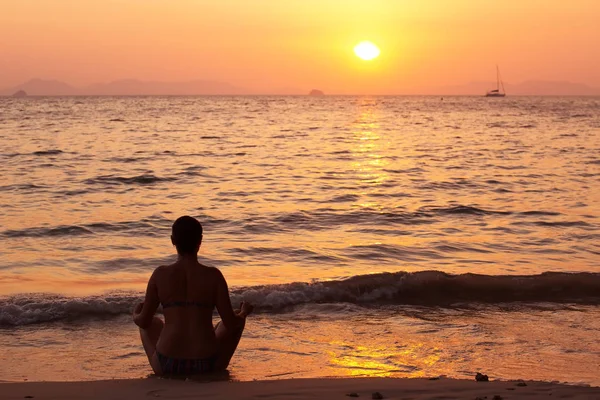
(246, 308)
(138, 309)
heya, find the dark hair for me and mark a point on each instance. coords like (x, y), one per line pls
(187, 235)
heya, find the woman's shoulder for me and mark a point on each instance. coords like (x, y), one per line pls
(162, 270)
(212, 271)
(165, 271)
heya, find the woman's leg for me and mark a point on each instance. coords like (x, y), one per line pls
(228, 342)
(149, 339)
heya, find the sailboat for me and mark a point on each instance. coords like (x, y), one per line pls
(496, 92)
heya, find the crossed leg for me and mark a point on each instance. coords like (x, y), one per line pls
(228, 341)
(150, 337)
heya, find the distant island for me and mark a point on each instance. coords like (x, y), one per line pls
(316, 92)
(19, 93)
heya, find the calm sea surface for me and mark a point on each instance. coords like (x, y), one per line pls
(322, 211)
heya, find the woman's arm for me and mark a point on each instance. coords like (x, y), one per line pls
(230, 319)
(144, 312)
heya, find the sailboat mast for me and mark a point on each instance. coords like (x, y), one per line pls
(496, 92)
(497, 78)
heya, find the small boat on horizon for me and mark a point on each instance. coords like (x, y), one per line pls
(496, 92)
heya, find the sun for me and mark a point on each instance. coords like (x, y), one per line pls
(366, 50)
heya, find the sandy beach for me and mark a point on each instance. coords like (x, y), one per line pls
(297, 389)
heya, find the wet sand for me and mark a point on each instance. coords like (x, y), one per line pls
(414, 389)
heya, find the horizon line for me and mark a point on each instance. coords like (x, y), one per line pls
(292, 95)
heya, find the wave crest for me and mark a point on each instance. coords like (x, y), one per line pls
(147, 179)
(428, 288)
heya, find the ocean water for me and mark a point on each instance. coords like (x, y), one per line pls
(378, 236)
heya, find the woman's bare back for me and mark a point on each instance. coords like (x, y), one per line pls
(188, 294)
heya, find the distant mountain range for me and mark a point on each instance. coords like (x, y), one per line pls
(40, 87)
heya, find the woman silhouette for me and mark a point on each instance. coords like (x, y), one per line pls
(187, 343)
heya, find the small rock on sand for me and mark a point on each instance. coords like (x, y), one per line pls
(496, 397)
(481, 377)
(521, 383)
(377, 396)
(353, 394)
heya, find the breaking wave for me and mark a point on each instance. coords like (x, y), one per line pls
(427, 288)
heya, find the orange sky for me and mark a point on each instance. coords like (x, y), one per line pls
(266, 45)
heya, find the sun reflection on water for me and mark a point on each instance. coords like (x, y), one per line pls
(411, 360)
(369, 162)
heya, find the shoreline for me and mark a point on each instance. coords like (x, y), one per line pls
(323, 388)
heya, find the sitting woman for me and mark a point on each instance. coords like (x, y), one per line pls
(187, 343)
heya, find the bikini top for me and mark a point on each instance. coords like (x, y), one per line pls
(187, 304)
